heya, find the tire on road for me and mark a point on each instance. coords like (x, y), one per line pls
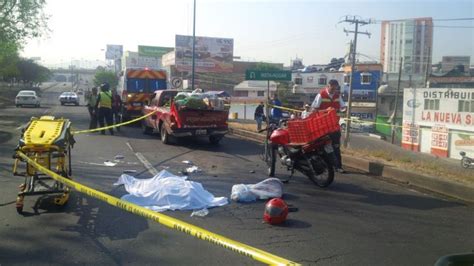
(165, 137)
(465, 163)
(271, 149)
(328, 172)
(146, 129)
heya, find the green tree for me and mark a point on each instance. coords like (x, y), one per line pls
(19, 21)
(32, 73)
(283, 91)
(8, 61)
(22, 19)
(102, 76)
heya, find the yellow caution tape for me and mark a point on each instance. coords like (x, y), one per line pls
(200, 233)
(285, 108)
(113, 126)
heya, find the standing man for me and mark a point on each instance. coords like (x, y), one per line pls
(104, 104)
(116, 108)
(276, 113)
(259, 115)
(306, 112)
(330, 98)
(91, 99)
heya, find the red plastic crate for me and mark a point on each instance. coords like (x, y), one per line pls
(317, 125)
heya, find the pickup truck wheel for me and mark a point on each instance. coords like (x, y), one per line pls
(215, 139)
(165, 137)
(146, 129)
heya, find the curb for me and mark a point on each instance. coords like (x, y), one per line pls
(252, 136)
(454, 190)
(459, 191)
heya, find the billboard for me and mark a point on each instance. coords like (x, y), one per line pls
(133, 59)
(211, 54)
(153, 51)
(113, 52)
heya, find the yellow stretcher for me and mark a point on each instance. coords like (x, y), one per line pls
(48, 141)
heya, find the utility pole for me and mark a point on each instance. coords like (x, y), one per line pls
(428, 66)
(194, 46)
(357, 22)
(394, 118)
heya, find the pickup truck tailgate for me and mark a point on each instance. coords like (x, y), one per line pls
(203, 118)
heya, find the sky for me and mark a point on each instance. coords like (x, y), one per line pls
(271, 31)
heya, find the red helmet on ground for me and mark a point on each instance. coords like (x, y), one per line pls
(276, 211)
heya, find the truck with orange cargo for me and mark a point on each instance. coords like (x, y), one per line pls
(136, 85)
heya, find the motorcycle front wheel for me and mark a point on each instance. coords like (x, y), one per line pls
(324, 172)
(271, 162)
(465, 163)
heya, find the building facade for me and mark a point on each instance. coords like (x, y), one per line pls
(308, 85)
(410, 39)
(439, 121)
(254, 90)
(364, 89)
(449, 63)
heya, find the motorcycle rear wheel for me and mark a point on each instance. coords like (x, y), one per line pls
(325, 178)
(465, 163)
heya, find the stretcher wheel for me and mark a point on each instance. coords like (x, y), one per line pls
(19, 204)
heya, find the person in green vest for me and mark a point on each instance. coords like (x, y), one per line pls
(104, 106)
(91, 99)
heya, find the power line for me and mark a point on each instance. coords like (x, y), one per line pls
(452, 19)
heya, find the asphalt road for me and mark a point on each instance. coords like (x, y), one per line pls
(359, 220)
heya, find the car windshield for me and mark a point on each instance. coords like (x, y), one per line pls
(26, 93)
(68, 94)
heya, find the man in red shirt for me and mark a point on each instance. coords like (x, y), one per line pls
(327, 98)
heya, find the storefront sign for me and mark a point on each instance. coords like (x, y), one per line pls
(410, 136)
(439, 140)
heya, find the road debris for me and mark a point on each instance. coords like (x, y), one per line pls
(200, 213)
(109, 163)
(193, 169)
(268, 188)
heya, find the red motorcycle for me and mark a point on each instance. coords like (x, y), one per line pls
(304, 145)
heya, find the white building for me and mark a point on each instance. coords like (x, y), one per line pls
(254, 90)
(450, 62)
(410, 39)
(312, 83)
(439, 121)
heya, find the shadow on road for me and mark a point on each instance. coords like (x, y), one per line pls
(390, 199)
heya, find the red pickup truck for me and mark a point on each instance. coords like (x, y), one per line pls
(170, 120)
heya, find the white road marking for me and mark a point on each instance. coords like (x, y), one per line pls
(152, 170)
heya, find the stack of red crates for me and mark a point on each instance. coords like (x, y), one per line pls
(317, 125)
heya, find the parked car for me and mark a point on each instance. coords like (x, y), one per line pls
(27, 97)
(69, 98)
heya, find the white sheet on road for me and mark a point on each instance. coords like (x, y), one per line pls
(166, 191)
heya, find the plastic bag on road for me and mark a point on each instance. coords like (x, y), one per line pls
(166, 191)
(193, 169)
(200, 213)
(268, 188)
